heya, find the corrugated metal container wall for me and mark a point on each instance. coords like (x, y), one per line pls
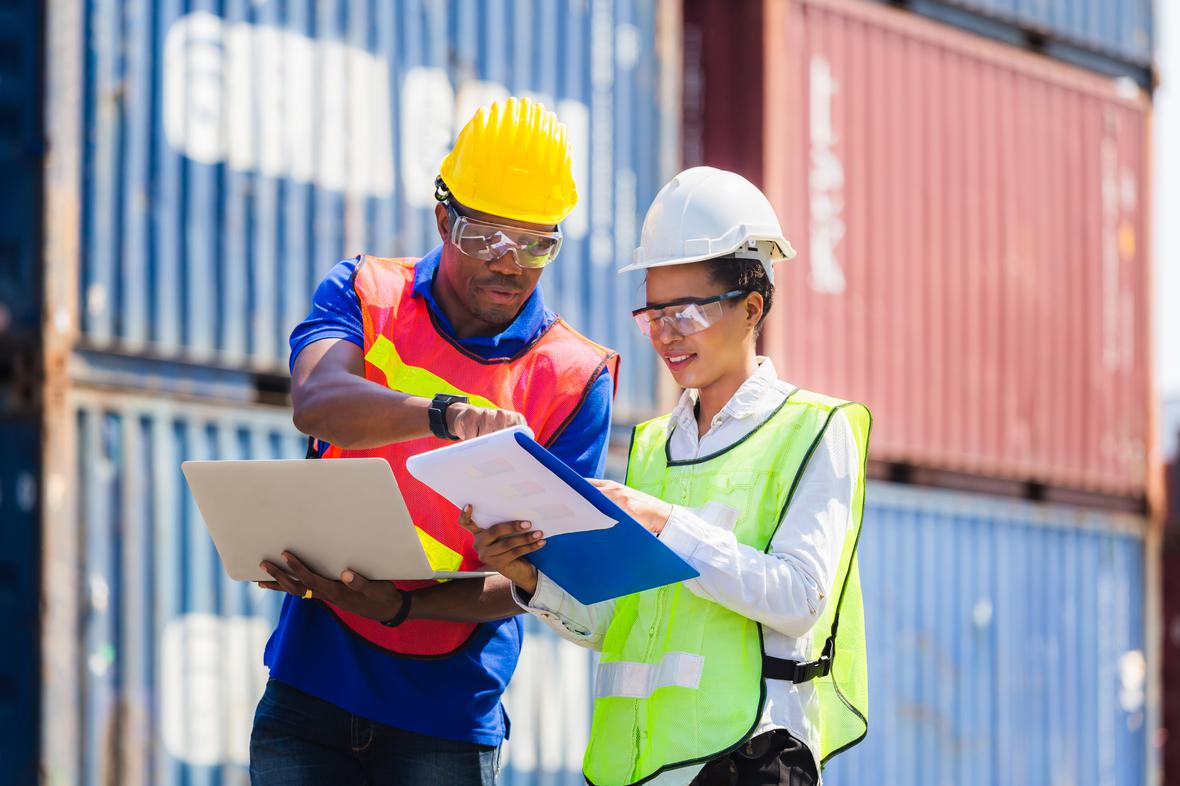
(153, 661)
(20, 160)
(19, 607)
(978, 277)
(1122, 30)
(161, 684)
(1005, 639)
(230, 160)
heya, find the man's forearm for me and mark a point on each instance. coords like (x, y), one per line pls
(466, 600)
(352, 412)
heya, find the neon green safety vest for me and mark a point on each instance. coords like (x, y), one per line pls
(681, 678)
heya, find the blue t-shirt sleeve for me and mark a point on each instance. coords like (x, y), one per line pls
(583, 443)
(335, 312)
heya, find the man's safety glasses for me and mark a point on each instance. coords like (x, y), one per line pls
(684, 317)
(488, 242)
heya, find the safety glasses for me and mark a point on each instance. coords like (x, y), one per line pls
(487, 242)
(684, 317)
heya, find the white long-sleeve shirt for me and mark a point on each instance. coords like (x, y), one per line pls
(785, 589)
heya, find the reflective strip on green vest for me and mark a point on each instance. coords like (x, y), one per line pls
(680, 679)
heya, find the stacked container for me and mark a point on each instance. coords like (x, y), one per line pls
(203, 166)
(971, 222)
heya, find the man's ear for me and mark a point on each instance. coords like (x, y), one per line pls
(442, 218)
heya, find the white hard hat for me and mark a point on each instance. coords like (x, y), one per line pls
(704, 213)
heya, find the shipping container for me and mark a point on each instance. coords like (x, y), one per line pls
(1008, 642)
(1114, 37)
(152, 655)
(1005, 637)
(19, 559)
(207, 169)
(971, 228)
(21, 148)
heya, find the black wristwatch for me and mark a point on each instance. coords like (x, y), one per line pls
(438, 414)
(402, 613)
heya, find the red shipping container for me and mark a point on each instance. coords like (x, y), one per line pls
(971, 227)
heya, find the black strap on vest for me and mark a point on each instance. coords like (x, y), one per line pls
(796, 672)
(313, 451)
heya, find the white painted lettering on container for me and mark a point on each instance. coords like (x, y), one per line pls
(1118, 194)
(211, 679)
(261, 99)
(825, 183)
(427, 122)
(576, 116)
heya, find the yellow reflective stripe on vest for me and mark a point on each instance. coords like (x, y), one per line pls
(413, 380)
(640, 680)
(441, 557)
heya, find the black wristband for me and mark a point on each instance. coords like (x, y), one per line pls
(438, 414)
(402, 613)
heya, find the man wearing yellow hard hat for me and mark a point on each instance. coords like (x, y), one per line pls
(376, 682)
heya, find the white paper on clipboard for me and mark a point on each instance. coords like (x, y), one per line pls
(503, 482)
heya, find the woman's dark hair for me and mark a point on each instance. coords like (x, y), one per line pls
(746, 274)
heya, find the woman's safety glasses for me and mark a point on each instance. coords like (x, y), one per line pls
(488, 242)
(684, 317)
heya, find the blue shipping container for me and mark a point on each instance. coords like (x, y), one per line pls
(1008, 639)
(153, 661)
(229, 159)
(20, 161)
(1007, 644)
(20, 513)
(1115, 37)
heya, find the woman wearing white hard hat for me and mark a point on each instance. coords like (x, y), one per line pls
(755, 672)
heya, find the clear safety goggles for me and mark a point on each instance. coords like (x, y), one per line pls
(684, 317)
(487, 242)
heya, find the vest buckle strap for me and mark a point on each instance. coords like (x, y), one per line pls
(796, 672)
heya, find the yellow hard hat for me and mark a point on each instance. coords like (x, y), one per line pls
(513, 160)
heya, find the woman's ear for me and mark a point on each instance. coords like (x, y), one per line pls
(755, 304)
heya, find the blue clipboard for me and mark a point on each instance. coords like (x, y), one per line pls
(607, 563)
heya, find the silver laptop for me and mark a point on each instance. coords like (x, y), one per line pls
(332, 514)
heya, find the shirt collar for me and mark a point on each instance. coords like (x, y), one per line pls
(743, 404)
(529, 322)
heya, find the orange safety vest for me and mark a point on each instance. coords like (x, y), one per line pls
(405, 351)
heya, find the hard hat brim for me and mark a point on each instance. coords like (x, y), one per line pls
(784, 247)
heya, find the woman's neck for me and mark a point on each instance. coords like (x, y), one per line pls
(716, 395)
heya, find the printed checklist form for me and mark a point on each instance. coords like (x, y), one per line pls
(593, 548)
(503, 481)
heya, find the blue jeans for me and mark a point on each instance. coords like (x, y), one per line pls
(299, 740)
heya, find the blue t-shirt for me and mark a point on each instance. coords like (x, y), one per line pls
(457, 697)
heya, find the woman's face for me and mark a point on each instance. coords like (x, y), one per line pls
(699, 359)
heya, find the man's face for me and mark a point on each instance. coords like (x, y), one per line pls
(492, 292)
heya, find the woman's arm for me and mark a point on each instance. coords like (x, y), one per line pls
(788, 588)
(584, 625)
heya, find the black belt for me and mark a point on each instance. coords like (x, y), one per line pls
(794, 671)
